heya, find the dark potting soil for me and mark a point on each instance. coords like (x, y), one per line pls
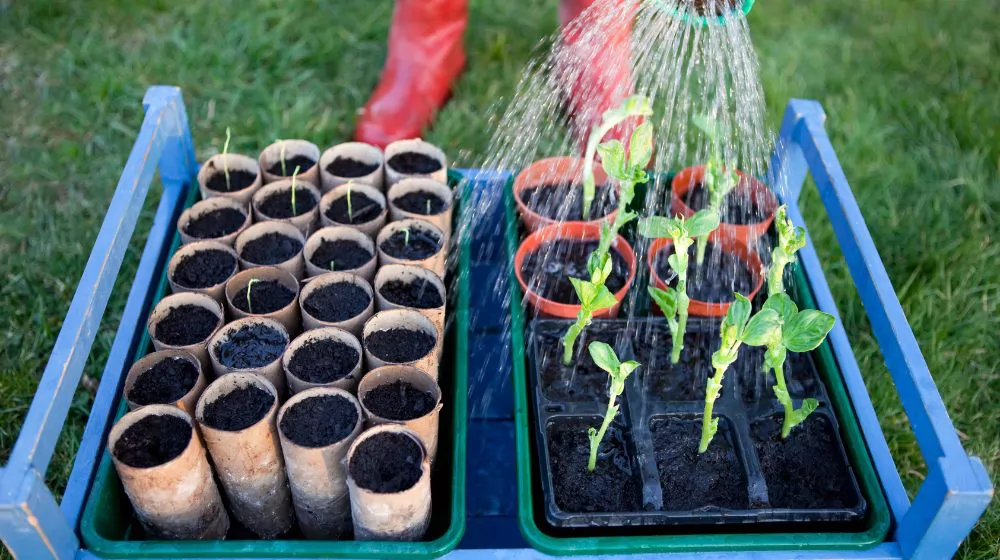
(738, 208)
(564, 201)
(800, 377)
(547, 269)
(580, 381)
(239, 179)
(805, 470)
(337, 302)
(417, 246)
(386, 463)
(279, 204)
(715, 280)
(319, 421)
(610, 488)
(414, 163)
(691, 480)
(683, 381)
(153, 441)
(204, 269)
(399, 400)
(238, 409)
(398, 345)
(363, 209)
(252, 346)
(421, 202)
(304, 163)
(418, 293)
(323, 361)
(186, 324)
(215, 224)
(344, 254)
(271, 248)
(266, 296)
(164, 383)
(350, 167)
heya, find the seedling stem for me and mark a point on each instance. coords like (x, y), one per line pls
(225, 160)
(350, 209)
(720, 176)
(249, 286)
(406, 237)
(605, 358)
(294, 175)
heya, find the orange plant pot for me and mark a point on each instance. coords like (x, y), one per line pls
(581, 231)
(699, 308)
(757, 191)
(554, 170)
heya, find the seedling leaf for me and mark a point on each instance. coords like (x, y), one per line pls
(604, 356)
(782, 305)
(806, 330)
(613, 158)
(666, 300)
(640, 146)
(702, 223)
(762, 327)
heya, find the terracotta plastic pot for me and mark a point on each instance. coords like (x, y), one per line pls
(403, 319)
(369, 228)
(288, 315)
(348, 382)
(217, 291)
(758, 192)
(295, 265)
(553, 170)
(436, 262)
(271, 155)
(703, 308)
(358, 151)
(178, 499)
(442, 219)
(207, 206)
(335, 233)
(353, 324)
(416, 145)
(163, 309)
(271, 371)
(305, 222)
(425, 426)
(187, 401)
(576, 231)
(235, 162)
(408, 274)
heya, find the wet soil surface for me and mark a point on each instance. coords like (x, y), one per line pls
(800, 377)
(164, 383)
(691, 480)
(610, 488)
(323, 361)
(319, 421)
(417, 246)
(386, 463)
(153, 441)
(805, 470)
(684, 381)
(738, 208)
(304, 163)
(414, 163)
(271, 248)
(715, 280)
(215, 224)
(266, 296)
(398, 345)
(337, 302)
(548, 268)
(344, 254)
(252, 346)
(399, 401)
(238, 180)
(582, 380)
(421, 202)
(204, 269)
(279, 204)
(350, 167)
(363, 209)
(238, 409)
(418, 293)
(564, 201)
(186, 324)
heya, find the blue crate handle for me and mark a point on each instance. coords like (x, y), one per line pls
(33, 525)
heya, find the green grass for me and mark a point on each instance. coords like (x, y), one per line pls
(909, 87)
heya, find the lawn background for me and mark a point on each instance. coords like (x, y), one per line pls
(910, 88)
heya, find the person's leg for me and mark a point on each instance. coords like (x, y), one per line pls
(425, 57)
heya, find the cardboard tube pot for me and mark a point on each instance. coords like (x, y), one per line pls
(177, 499)
(394, 175)
(162, 318)
(214, 173)
(554, 171)
(436, 262)
(425, 425)
(204, 211)
(405, 319)
(339, 233)
(348, 381)
(294, 263)
(270, 161)
(185, 401)
(315, 462)
(371, 225)
(311, 319)
(358, 151)
(288, 315)
(271, 371)
(380, 510)
(212, 275)
(306, 221)
(248, 458)
(748, 187)
(408, 275)
(412, 186)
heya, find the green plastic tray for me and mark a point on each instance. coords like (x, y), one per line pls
(109, 524)
(876, 523)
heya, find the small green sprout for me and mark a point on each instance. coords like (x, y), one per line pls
(332, 264)
(350, 208)
(634, 106)
(225, 159)
(406, 237)
(294, 176)
(790, 240)
(720, 176)
(284, 171)
(593, 296)
(250, 285)
(605, 358)
(428, 211)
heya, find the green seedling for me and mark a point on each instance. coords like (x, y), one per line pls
(406, 237)
(250, 285)
(720, 176)
(674, 301)
(332, 264)
(225, 159)
(428, 211)
(605, 358)
(634, 106)
(790, 240)
(593, 296)
(350, 208)
(294, 176)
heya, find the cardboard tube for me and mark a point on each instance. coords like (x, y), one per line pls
(334, 233)
(288, 315)
(435, 262)
(305, 222)
(249, 462)
(403, 319)
(417, 184)
(162, 309)
(358, 151)
(295, 264)
(369, 228)
(352, 325)
(207, 206)
(271, 371)
(425, 426)
(292, 148)
(408, 274)
(177, 500)
(216, 291)
(392, 176)
(187, 401)
(318, 475)
(235, 162)
(396, 516)
(348, 382)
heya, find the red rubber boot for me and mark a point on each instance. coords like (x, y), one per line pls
(425, 57)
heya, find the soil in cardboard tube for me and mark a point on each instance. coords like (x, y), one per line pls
(417, 293)
(399, 400)
(363, 209)
(279, 204)
(414, 163)
(547, 269)
(337, 302)
(738, 208)
(323, 360)
(343, 166)
(345, 254)
(215, 224)
(417, 246)
(399, 345)
(421, 202)
(186, 324)
(238, 409)
(266, 296)
(270, 248)
(386, 463)
(610, 488)
(239, 179)
(319, 421)
(253, 345)
(304, 163)
(204, 269)
(153, 441)
(563, 201)
(164, 383)
(715, 280)
(690, 480)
